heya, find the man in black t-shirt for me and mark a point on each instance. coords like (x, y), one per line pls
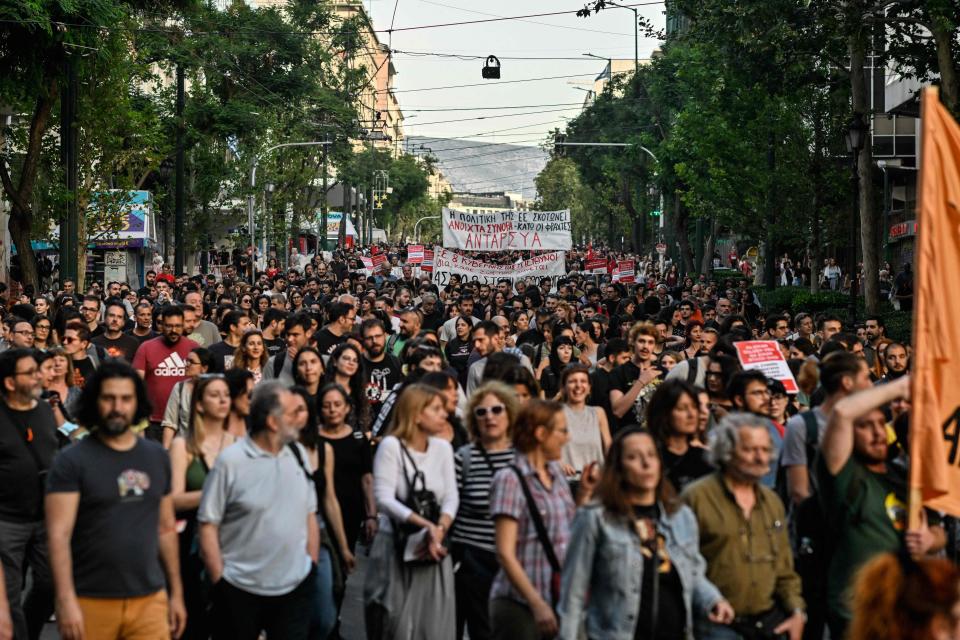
(114, 341)
(112, 528)
(342, 316)
(28, 442)
(632, 384)
(384, 370)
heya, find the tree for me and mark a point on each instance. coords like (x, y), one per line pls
(559, 186)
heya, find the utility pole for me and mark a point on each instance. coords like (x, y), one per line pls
(69, 222)
(178, 225)
(324, 208)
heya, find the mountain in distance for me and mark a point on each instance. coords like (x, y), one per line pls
(479, 167)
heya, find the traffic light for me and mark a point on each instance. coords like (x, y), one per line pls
(655, 213)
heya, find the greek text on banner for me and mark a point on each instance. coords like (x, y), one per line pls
(447, 263)
(507, 230)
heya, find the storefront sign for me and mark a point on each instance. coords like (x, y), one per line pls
(901, 230)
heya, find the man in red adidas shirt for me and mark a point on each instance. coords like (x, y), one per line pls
(161, 362)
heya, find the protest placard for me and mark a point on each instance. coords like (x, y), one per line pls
(448, 263)
(507, 230)
(765, 356)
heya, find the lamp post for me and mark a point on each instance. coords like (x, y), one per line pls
(636, 29)
(251, 197)
(855, 139)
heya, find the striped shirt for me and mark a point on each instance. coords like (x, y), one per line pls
(473, 525)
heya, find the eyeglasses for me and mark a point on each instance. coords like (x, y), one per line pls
(70, 340)
(28, 372)
(495, 410)
(24, 332)
(43, 326)
(90, 309)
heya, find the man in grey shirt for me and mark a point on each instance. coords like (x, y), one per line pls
(258, 530)
(206, 333)
(841, 373)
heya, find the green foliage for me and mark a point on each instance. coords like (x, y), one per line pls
(797, 299)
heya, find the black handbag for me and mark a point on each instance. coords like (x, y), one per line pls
(421, 501)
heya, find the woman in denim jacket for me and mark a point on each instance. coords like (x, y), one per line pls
(633, 568)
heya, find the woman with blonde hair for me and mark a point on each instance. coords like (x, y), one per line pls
(903, 599)
(192, 455)
(491, 414)
(251, 354)
(409, 591)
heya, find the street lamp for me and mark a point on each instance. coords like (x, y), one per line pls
(603, 4)
(856, 139)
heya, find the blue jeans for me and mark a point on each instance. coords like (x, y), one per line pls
(324, 616)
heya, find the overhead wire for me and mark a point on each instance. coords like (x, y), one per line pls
(545, 24)
(490, 117)
(488, 83)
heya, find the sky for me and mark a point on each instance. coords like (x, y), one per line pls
(608, 34)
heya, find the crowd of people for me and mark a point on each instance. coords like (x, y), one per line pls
(206, 457)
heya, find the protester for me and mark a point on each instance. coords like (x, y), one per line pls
(673, 419)
(896, 598)
(176, 417)
(111, 523)
(161, 362)
(532, 509)
(633, 566)
(258, 530)
(491, 414)
(28, 440)
(353, 472)
(333, 543)
(743, 535)
(297, 332)
(864, 496)
(193, 453)
(114, 341)
(409, 590)
(633, 383)
(251, 354)
(587, 425)
(345, 368)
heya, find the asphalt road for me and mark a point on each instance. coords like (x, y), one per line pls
(351, 627)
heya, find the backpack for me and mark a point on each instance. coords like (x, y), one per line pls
(693, 368)
(278, 363)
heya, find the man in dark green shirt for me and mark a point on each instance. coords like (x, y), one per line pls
(864, 498)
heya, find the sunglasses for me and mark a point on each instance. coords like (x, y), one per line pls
(495, 410)
(70, 340)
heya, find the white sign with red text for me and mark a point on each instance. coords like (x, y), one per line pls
(765, 356)
(448, 263)
(507, 230)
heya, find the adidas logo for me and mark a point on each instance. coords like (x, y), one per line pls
(172, 365)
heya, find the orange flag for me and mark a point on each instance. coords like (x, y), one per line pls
(935, 416)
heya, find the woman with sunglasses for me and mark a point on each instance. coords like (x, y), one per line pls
(491, 414)
(636, 553)
(176, 416)
(246, 302)
(345, 367)
(192, 455)
(43, 338)
(251, 354)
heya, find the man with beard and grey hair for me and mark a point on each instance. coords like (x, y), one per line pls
(28, 438)
(110, 520)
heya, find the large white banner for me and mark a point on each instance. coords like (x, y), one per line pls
(507, 230)
(447, 263)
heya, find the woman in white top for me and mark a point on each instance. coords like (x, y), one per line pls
(588, 427)
(409, 591)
